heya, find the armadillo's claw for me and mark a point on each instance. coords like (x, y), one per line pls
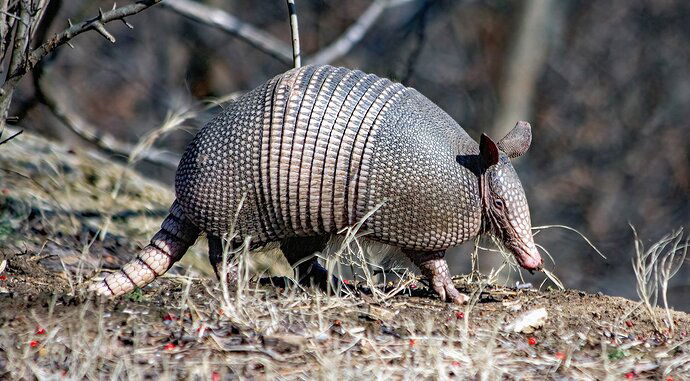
(448, 292)
(435, 267)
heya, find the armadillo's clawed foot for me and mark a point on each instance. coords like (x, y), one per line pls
(435, 268)
(448, 292)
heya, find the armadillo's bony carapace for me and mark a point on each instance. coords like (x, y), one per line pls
(314, 150)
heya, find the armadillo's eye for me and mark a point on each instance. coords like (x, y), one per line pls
(498, 203)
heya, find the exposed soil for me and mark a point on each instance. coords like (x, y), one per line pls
(55, 207)
(184, 328)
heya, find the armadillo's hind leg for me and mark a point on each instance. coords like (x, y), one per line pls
(176, 235)
(434, 267)
(216, 249)
(299, 252)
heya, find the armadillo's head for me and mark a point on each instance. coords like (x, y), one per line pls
(504, 206)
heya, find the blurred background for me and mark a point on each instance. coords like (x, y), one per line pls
(605, 85)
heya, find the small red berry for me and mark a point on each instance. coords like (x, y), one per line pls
(630, 375)
(532, 341)
(412, 341)
(169, 346)
(168, 317)
(560, 356)
(629, 323)
(3, 277)
(669, 378)
(215, 376)
(346, 281)
(40, 331)
(337, 323)
(34, 343)
(456, 363)
(459, 315)
(413, 286)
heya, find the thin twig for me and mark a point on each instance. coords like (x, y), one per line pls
(11, 137)
(12, 15)
(294, 31)
(539, 228)
(102, 140)
(352, 36)
(263, 41)
(97, 23)
(228, 23)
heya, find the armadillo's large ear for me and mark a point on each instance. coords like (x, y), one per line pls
(517, 141)
(488, 151)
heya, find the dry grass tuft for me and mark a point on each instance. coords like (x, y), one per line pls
(654, 268)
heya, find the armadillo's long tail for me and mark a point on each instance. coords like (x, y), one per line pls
(168, 246)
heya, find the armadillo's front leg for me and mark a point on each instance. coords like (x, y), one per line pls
(435, 268)
(167, 246)
(299, 253)
(215, 255)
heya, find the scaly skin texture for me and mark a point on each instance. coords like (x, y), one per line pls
(167, 246)
(315, 149)
(435, 267)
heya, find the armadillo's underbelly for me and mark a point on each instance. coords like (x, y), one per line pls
(296, 157)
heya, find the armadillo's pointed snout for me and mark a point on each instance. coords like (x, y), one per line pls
(526, 253)
(529, 257)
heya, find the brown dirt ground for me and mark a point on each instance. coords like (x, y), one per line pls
(55, 202)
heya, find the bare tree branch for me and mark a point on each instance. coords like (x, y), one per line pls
(97, 23)
(265, 42)
(294, 31)
(352, 36)
(34, 60)
(19, 50)
(7, 21)
(21, 39)
(11, 137)
(4, 24)
(100, 139)
(230, 24)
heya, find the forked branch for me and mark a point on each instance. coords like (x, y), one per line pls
(22, 63)
(353, 35)
(263, 41)
(228, 23)
(102, 140)
(97, 23)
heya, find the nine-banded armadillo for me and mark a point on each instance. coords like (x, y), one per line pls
(314, 150)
